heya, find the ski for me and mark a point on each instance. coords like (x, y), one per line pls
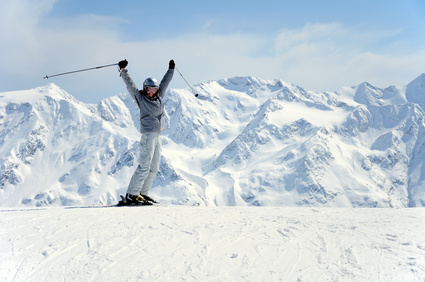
(106, 206)
(147, 201)
(118, 206)
(90, 207)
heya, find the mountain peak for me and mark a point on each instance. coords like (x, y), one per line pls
(368, 94)
(33, 95)
(250, 82)
(240, 81)
(415, 91)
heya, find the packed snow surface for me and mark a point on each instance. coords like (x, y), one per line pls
(186, 243)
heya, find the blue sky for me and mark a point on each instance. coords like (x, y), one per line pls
(319, 45)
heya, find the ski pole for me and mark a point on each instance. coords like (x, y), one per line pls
(196, 94)
(95, 68)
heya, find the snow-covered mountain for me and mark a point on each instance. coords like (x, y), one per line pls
(243, 141)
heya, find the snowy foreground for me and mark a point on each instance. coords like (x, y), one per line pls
(185, 243)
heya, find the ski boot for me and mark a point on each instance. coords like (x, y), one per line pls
(149, 199)
(132, 200)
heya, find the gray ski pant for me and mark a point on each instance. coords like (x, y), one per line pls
(150, 153)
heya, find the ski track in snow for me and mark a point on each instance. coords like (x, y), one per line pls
(182, 243)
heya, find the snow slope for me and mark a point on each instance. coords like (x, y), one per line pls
(244, 141)
(54, 149)
(184, 243)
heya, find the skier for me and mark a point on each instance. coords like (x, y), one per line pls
(152, 124)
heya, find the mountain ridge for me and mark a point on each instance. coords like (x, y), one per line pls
(243, 141)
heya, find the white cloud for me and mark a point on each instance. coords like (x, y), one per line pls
(19, 36)
(326, 56)
(22, 14)
(311, 34)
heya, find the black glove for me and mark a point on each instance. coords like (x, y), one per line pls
(171, 65)
(123, 64)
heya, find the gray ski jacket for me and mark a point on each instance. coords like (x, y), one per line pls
(151, 111)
